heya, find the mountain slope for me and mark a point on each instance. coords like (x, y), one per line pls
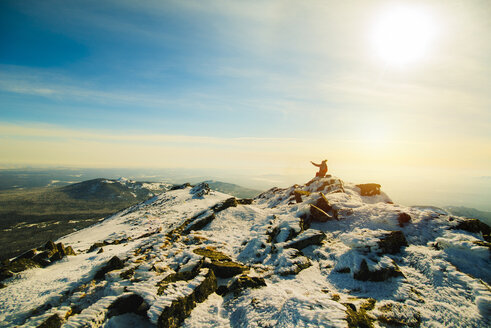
(232, 189)
(291, 258)
(30, 217)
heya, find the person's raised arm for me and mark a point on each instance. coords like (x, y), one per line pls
(318, 165)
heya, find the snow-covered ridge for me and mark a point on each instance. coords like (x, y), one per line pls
(313, 255)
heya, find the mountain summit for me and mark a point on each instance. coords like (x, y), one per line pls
(323, 254)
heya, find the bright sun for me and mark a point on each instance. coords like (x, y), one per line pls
(403, 35)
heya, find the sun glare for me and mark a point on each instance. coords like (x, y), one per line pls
(403, 35)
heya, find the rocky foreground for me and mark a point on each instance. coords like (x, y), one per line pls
(323, 254)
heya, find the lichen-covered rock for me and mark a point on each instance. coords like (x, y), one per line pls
(19, 265)
(398, 315)
(307, 238)
(174, 314)
(245, 201)
(392, 242)
(69, 250)
(114, 263)
(369, 189)
(358, 319)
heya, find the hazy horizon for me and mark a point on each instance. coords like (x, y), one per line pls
(394, 92)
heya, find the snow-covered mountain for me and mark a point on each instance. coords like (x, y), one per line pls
(323, 254)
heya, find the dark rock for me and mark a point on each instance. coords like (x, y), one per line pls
(114, 264)
(5, 274)
(244, 281)
(369, 189)
(128, 273)
(95, 246)
(245, 201)
(403, 218)
(56, 257)
(319, 215)
(50, 246)
(324, 205)
(132, 303)
(382, 274)
(19, 265)
(199, 223)
(61, 249)
(230, 202)
(222, 290)
(53, 321)
(173, 315)
(226, 269)
(2, 285)
(42, 258)
(350, 305)
(184, 185)
(343, 270)
(475, 226)
(101, 250)
(392, 242)
(307, 238)
(69, 250)
(28, 255)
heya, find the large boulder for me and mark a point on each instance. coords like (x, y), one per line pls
(369, 189)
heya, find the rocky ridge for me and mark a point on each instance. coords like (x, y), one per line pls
(323, 254)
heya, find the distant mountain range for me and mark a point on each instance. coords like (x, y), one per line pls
(470, 213)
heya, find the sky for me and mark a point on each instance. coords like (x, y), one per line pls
(255, 89)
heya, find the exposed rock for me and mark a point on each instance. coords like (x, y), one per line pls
(357, 319)
(369, 189)
(95, 246)
(174, 314)
(298, 194)
(50, 246)
(318, 215)
(245, 201)
(28, 255)
(101, 250)
(19, 265)
(200, 190)
(53, 321)
(324, 205)
(381, 274)
(114, 264)
(128, 273)
(212, 254)
(182, 186)
(243, 282)
(2, 285)
(403, 218)
(69, 251)
(475, 226)
(132, 303)
(392, 242)
(230, 202)
(307, 238)
(200, 222)
(226, 269)
(398, 315)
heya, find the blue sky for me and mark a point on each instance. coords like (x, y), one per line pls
(260, 87)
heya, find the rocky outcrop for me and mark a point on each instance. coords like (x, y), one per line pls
(318, 215)
(200, 190)
(230, 202)
(200, 222)
(174, 314)
(53, 321)
(475, 226)
(221, 264)
(131, 303)
(240, 283)
(369, 189)
(114, 263)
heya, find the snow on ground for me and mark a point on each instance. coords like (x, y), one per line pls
(441, 278)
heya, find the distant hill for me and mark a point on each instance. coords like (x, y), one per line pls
(470, 213)
(29, 217)
(233, 189)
